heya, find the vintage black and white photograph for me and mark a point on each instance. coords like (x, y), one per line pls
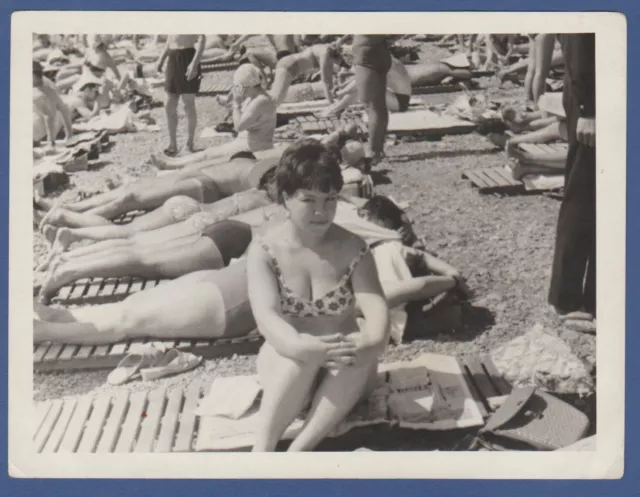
(341, 243)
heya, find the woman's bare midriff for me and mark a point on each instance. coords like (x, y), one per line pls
(345, 324)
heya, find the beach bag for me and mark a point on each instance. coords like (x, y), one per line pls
(532, 419)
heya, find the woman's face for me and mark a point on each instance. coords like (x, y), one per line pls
(312, 210)
(90, 92)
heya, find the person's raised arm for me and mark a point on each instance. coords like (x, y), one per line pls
(326, 72)
(163, 55)
(371, 301)
(243, 120)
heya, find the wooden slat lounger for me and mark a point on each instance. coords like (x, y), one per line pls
(500, 180)
(66, 357)
(211, 89)
(100, 290)
(219, 66)
(164, 421)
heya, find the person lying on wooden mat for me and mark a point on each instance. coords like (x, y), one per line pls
(215, 303)
(203, 187)
(212, 248)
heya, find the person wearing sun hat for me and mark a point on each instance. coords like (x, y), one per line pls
(254, 121)
(83, 101)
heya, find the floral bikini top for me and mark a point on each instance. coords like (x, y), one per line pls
(333, 303)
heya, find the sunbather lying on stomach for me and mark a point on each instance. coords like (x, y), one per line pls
(212, 248)
(195, 189)
(214, 303)
(205, 186)
(435, 73)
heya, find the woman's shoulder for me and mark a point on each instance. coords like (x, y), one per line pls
(348, 242)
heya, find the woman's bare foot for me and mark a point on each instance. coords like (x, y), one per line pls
(64, 237)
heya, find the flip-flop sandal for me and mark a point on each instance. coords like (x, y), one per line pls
(141, 356)
(581, 326)
(173, 362)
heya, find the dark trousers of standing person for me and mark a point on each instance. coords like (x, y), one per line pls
(573, 280)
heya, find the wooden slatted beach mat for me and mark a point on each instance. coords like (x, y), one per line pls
(48, 357)
(102, 290)
(140, 422)
(219, 66)
(164, 421)
(412, 123)
(499, 179)
(210, 89)
(496, 179)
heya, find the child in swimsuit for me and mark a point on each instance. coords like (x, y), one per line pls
(305, 278)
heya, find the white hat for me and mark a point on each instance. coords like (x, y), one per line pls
(247, 75)
(87, 78)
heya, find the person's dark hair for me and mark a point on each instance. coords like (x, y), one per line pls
(268, 184)
(244, 154)
(383, 211)
(309, 165)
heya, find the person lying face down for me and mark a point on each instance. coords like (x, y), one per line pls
(211, 304)
(177, 198)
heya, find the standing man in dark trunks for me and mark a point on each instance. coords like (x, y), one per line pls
(372, 61)
(573, 280)
(182, 79)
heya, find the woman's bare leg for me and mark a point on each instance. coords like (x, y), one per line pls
(281, 82)
(371, 87)
(149, 198)
(167, 260)
(155, 313)
(338, 393)
(198, 160)
(286, 388)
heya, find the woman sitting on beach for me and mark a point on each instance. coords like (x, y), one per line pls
(314, 349)
(254, 119)
(316, 58)
(83, 102)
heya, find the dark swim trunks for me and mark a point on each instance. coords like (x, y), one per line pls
(178, 61)
(403, 101)
(231, 237)
(373, 52)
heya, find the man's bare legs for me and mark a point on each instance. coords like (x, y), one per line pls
(372, 93)
(171, 109)
(189, 102)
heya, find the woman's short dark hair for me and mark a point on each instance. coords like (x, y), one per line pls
(309, 165)
(384, 211)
